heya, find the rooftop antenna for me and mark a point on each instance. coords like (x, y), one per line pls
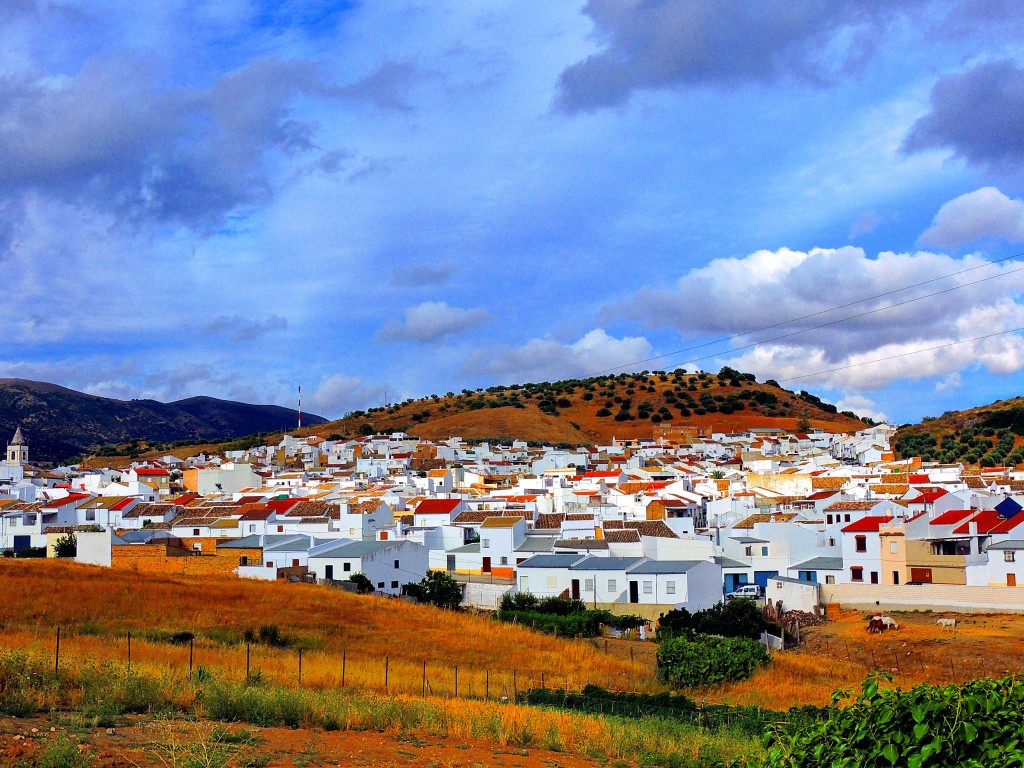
(300, 406)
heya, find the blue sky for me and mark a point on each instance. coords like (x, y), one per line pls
(385, 200)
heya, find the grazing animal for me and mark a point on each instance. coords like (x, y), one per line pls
(950, 624)
(889, 622)
(875, 625)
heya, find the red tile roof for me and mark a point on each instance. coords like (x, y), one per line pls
(867, 524)
(437, 506)
(69, 499)
(952, 517)
(987, 521)
(928, 496)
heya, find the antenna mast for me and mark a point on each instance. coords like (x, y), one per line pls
(300, 406)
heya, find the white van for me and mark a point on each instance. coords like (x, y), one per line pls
(749, 591)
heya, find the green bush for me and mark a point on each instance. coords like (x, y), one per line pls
(972, 724)
(706, 660)
(737, 618)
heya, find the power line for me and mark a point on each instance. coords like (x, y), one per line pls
(903, 354)
(823, 312)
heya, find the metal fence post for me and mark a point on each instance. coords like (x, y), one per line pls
(56, 659)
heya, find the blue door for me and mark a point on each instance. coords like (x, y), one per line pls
(811, 576)
(22, 542)
(761, 578)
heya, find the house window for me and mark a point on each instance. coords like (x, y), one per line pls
(90, 514)
(828, 519)
(243, 560)
(380, 585)
(504, 560)
(764, 551)
(611, 585)
(270, 563)
(830, 579)
(394, 585)
(280, 529)
(748, 551)
(588, 585)
(856, 573)
(295, 562)
(670, 587)
(874, 577)
(831, 542)
(894, 547)
(252, 527)
(648, 587)
(329, 572)
(846, 518)
(485, 543)
(396, 565)
(861, 543)
(195, 531)
(552, 582)
(346, 567)
(1009, 555)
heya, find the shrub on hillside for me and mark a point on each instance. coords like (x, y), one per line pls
(737, 618)
(706, 660)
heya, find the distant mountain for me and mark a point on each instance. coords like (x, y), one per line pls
(586, 411)
(59, 423)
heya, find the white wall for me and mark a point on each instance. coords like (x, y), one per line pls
(93, 547)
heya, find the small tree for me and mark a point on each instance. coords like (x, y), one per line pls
(363, 585)
(66, 546)
(803, 425)
(437, 588)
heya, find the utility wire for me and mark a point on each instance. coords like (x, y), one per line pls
(823, 312)
(903, 354)
(853, 317)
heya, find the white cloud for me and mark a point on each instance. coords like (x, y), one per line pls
(338, 394)
(862, 406)
(984, 213)
(432, 321)
(548, 359)
(953, 381)
(730, 297)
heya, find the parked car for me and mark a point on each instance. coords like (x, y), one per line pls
(749, 591)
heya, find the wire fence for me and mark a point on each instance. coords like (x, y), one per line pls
(322, 670)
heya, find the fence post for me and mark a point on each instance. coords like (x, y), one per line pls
(542, 681)
(191, 640)
(873, 662)
(56, 658)
(456, 681)
(423, 685)
(515, 686)
(129, 651)
(344, 652)
(897, 657)
(487, 683)
(300, 666)
(247, 663)
(631, 654)
(387, 663)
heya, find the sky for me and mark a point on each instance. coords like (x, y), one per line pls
(378, 201)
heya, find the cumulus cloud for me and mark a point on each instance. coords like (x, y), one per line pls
(729, 298)
(979, 114)
(651, 45)
(241, 328)
(984, 213)
(110, 138)
(432, 321)
(862, 406)
(338, 394)
(549, 359)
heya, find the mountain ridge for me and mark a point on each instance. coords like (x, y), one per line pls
(59, 423)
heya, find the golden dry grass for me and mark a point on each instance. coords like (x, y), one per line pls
(97, 607)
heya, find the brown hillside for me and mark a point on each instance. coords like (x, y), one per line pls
(989, 435)
(571, 411)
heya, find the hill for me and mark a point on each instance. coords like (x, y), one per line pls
(989, 435)
(584, 411)
(59, 423)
